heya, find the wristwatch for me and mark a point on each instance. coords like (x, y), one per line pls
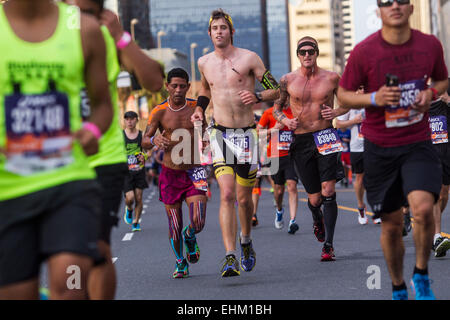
(258, 96)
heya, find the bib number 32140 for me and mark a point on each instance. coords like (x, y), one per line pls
(38, 136)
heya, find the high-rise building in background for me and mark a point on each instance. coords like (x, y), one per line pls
(278, 37)
(180, 24)
(312, 18)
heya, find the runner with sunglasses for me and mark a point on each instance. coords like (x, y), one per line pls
(316, 145)
(400, 162)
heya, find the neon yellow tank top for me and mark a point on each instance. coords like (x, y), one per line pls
(112, 145)
(40, 87)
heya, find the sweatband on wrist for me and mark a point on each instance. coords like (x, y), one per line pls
(124, 41)
(151, 140)
(372, 99)
(92, 127)
(203, 102)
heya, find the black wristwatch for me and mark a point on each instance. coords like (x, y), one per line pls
(258, 96)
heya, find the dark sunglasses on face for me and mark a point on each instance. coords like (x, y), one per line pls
(311, 52)
(388, 3)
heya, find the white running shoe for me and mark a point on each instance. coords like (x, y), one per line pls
(377, 221)
(362, 220)
(279, 223)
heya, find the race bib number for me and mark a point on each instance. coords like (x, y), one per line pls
(199, 178)
(439, 131)
(239, 144)
(327, 141)
(134, 163)
(403, 115)
(284, 140)
(38, 136)
(85, 105)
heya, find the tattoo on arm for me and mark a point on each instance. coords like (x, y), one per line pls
(281, 103)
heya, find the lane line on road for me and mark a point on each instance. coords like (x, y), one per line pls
(370, 214)
(128, 237)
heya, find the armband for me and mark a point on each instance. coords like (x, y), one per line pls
(203, 102)
(92, 127)
(435, 94)
(268, 81)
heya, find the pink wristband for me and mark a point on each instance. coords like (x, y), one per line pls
(124, 41)
(93, 128)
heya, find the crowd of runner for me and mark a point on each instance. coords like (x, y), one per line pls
(66, 164)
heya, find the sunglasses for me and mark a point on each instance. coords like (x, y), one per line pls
(388, 3)
(311, 52)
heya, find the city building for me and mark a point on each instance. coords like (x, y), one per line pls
(183, 25)
(278, 37)
(312, 18)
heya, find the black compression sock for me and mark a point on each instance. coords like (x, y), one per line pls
(316, 212)
(330, 213)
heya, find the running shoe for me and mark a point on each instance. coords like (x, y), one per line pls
(400, 295)
(44, 294)
(420, 284)
(362, 218)
(230, 267)
(440, 247)
(248, 257)
(293, 227)
(377, 221)
(128, 216)
(319, 230)
(181, 269)
(192, 250)
(327, 253)
(136, 227)
(279, 223)
(254, 221)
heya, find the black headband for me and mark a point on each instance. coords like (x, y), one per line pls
(308, 43)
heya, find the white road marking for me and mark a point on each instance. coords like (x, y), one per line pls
(128, 237)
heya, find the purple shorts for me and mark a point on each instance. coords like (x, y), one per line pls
(175, 186)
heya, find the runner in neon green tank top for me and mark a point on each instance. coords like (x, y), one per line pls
(110, 161)
(45, 180)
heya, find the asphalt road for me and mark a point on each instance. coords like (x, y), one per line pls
(288, 266)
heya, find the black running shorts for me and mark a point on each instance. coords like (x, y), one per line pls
(443, 151)
(111, 179)
(357, 161)
(312, 167)
(285, 172)
(38, 225)
(390, 174)
(135, 180)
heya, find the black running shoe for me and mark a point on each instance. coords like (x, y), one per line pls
(441, 246)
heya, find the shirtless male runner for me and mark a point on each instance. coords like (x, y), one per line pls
(316, 143)
(179, 181)
(228, 78)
